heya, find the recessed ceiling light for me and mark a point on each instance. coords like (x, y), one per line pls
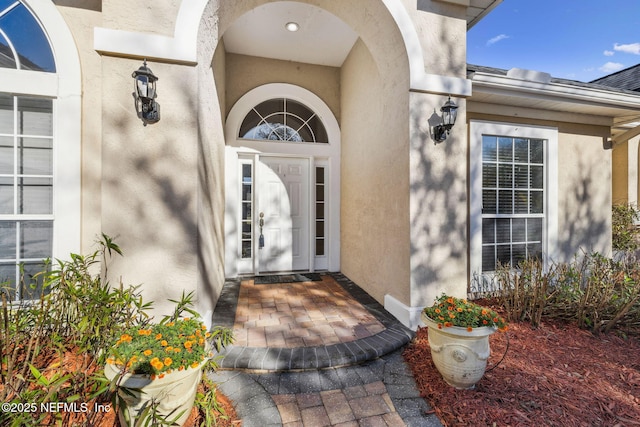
(292, 26)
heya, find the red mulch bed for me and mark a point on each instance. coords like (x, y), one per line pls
(555, 375)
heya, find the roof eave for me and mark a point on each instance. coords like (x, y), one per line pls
(492, 83)
(476, 11)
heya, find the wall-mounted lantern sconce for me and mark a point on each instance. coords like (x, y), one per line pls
(449, 113)
(145, 93)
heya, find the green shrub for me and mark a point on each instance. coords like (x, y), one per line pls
(596, 292)
(53, 350)
(625, 233)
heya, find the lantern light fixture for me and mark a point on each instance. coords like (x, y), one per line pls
(145, 94)
(449, 113)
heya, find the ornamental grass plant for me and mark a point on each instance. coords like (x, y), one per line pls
(448, 311)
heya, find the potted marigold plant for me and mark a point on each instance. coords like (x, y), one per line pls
(156, 368)
(459, 333)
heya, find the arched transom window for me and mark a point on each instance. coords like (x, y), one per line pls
(283, 119)
(23, 43)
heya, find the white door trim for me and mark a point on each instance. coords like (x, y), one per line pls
(325, 155)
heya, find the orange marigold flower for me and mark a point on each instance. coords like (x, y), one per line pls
(188, 344)
(207, 335)
(153, 377)
(169, 348)
(439, 325)
(142, 332)
(195, 365)
(147, 352)
(161, 376)
(484, 312)
(459, 309)
(168, 361)
(110, 360)
(203, 327)
(450, 300)
(158, 336)
(484, 321)
(452, 316)
(177, 350)
(181, 368)
(437, 310)
(448, 324)
(164, 343)
(469, 329)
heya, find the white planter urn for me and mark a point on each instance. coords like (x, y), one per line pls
(173, 394)
(459, 355)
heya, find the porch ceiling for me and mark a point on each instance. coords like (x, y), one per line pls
(322, 38)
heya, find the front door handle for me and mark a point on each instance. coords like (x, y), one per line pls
(261, 238)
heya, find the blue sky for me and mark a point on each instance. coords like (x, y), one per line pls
(573, 39)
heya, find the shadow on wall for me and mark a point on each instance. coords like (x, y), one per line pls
(585, 206)
(438, 205)
(156, 192)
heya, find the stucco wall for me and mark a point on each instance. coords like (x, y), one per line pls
(375, 200)
(244, 73)
(624, 170)
(584, 190)
(439, 213)
(149, 17)
(584, 185)
(442, 29)
(620, 172)
(150, 176)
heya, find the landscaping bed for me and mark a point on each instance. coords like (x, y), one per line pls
(552, 375)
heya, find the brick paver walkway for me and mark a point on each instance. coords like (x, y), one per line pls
(315, 354)
(368, 405)
(303, 314)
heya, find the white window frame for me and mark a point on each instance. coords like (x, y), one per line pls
(479, 128)
(64, 87)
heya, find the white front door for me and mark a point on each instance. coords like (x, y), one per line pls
(283, 214)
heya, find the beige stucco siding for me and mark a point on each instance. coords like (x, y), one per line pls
(584, 190)
(438, 204)
(374, 178)
(620, 172)
(442, 30)
(624, 170)
(244, 73)
(150, 17)
(583, 185)
(150, 175)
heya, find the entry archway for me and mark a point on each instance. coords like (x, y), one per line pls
(293, 181)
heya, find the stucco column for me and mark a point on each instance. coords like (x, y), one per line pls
(438, 203)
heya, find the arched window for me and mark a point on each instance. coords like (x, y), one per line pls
(283, 119)
(23, 43)
(27, 166)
